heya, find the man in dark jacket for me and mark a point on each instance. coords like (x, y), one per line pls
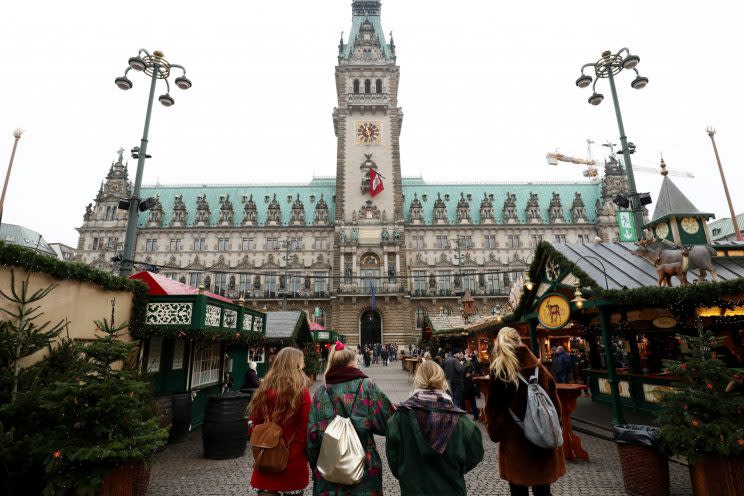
(251, 377)
(454, 370)
(561, 364)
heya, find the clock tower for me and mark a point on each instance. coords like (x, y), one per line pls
(369, 249)
(367, 121)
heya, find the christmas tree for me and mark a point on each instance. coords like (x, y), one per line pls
(699, 416)
(99, 417)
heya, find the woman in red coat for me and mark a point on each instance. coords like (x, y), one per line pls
(283, 398)
(521, 463)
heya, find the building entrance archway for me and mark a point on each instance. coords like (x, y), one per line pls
(370, 327)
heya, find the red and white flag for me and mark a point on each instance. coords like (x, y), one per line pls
(375, 183)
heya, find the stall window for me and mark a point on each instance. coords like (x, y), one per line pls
(206, 366)
(153, 356)
(257, 355)
(178, 349)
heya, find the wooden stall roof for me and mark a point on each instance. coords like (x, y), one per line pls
(626, 270)
(443, 325)
(288, 326)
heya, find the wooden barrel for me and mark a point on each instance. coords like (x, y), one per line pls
(225, 428)
(180, 417)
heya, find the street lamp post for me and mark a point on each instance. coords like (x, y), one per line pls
(460, 242)
(17, 135)
(607, 67)
(288, 246)
(155, 66)
(711, 132)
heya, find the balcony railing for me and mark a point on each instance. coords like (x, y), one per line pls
(439, 292)
(368, 99)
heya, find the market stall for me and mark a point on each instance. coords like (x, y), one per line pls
(283, 328)
(195, 344)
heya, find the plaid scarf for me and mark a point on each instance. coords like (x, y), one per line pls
(436, 415)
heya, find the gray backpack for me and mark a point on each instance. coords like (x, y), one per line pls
(541, 424)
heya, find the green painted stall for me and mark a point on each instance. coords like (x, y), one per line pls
(195, 344)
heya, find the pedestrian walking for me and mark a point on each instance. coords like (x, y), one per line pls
(284, 399)
(561, 364)
(454, 370)
(431, 444)
(470, 391)
(348, 392)
(384, 354)
(367, 357)
(521, 463)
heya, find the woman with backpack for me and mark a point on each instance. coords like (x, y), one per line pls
(283, 399)
(347, 393)
(431, 444)
(521, 463)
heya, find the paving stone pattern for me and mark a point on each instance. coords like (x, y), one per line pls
(181, 470)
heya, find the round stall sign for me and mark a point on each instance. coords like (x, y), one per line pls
(554, 311)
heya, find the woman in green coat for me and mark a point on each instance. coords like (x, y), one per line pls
(431, 444)
(347, 389)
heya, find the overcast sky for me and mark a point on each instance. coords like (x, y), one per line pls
(487, 89)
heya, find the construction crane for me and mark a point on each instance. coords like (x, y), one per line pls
(591, 165)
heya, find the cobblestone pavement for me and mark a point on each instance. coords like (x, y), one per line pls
(181, 470)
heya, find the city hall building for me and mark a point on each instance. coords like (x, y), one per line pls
(325, 246)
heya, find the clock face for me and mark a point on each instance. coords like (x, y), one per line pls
(368, 133)
(662, 231)
(690, 225)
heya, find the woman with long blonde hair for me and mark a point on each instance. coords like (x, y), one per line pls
(521, 463)
(349, 392)
(431, 444)
(284, 398)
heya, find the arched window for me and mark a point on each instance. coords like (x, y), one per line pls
(378, 86)
(356, 86)
(367, 86)
(367, 54)
(420, 318)
(446, 311)
(495, 310)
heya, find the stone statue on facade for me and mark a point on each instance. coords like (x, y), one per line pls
(88, 212)
(396, 234)
(385, 235)
(354, 235)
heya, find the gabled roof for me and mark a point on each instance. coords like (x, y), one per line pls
(165, 286)
(626, 270)
(671, 201)
(287, 325)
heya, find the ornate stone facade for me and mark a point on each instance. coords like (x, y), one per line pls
(342, 241)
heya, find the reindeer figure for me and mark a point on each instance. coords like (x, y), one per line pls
(679, 269)
(555, 313)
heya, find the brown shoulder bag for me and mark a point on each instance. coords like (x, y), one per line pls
(270, 452)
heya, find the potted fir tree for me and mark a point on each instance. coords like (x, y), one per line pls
(703, 419)
(102, 427)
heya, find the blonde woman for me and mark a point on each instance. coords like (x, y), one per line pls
(349, 392)
(431, 444)
(283, 398)
(521, 463)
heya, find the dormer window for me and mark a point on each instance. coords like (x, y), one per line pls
(367, 54)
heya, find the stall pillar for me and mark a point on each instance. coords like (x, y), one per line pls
(617, 408)
(534, 342)
(594, 360)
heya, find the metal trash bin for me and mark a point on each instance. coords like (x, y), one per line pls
(645, 468)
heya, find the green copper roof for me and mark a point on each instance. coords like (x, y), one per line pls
(451, 194)
(426, 193)
(366, 10)
(309, 194)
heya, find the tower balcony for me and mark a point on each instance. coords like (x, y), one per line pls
(367, 101)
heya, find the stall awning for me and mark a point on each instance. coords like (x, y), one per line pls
(165, 286)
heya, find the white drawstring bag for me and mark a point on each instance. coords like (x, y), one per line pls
(341, 458)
